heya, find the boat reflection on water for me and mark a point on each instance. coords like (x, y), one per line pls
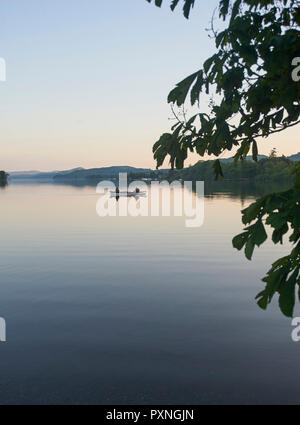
(136, 195)
(128, 194)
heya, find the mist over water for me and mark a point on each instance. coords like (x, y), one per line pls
(136, 310)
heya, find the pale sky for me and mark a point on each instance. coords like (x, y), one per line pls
(87, 81)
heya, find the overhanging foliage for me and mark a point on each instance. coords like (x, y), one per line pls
(253, 96)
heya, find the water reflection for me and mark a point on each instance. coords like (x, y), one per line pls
(242, 190)
(136, 310)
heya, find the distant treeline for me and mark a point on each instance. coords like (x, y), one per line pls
(131, 176)
(265, 171)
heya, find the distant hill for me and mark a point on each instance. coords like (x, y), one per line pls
(23, 173)
(248, 158)
(77, 174)
(98, 173)
(38, 175)
(295, 157)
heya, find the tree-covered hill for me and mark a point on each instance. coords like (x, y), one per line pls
(266, 170)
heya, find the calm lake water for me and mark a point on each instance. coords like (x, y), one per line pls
(136, 310)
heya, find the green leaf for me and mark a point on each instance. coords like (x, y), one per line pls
(239, 241)
(208, 63)
(179, 94)
(195, 92)
(287, 295)
(157, 2)
(187, 7)
(218, 170)
(224, 8)
(263, 302)
(252, 212)
(254, 150)
(174, 4)
(259, 235)
(249, 249)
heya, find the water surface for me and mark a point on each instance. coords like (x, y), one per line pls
(125, 310)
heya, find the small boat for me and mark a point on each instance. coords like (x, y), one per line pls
(127, 194)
